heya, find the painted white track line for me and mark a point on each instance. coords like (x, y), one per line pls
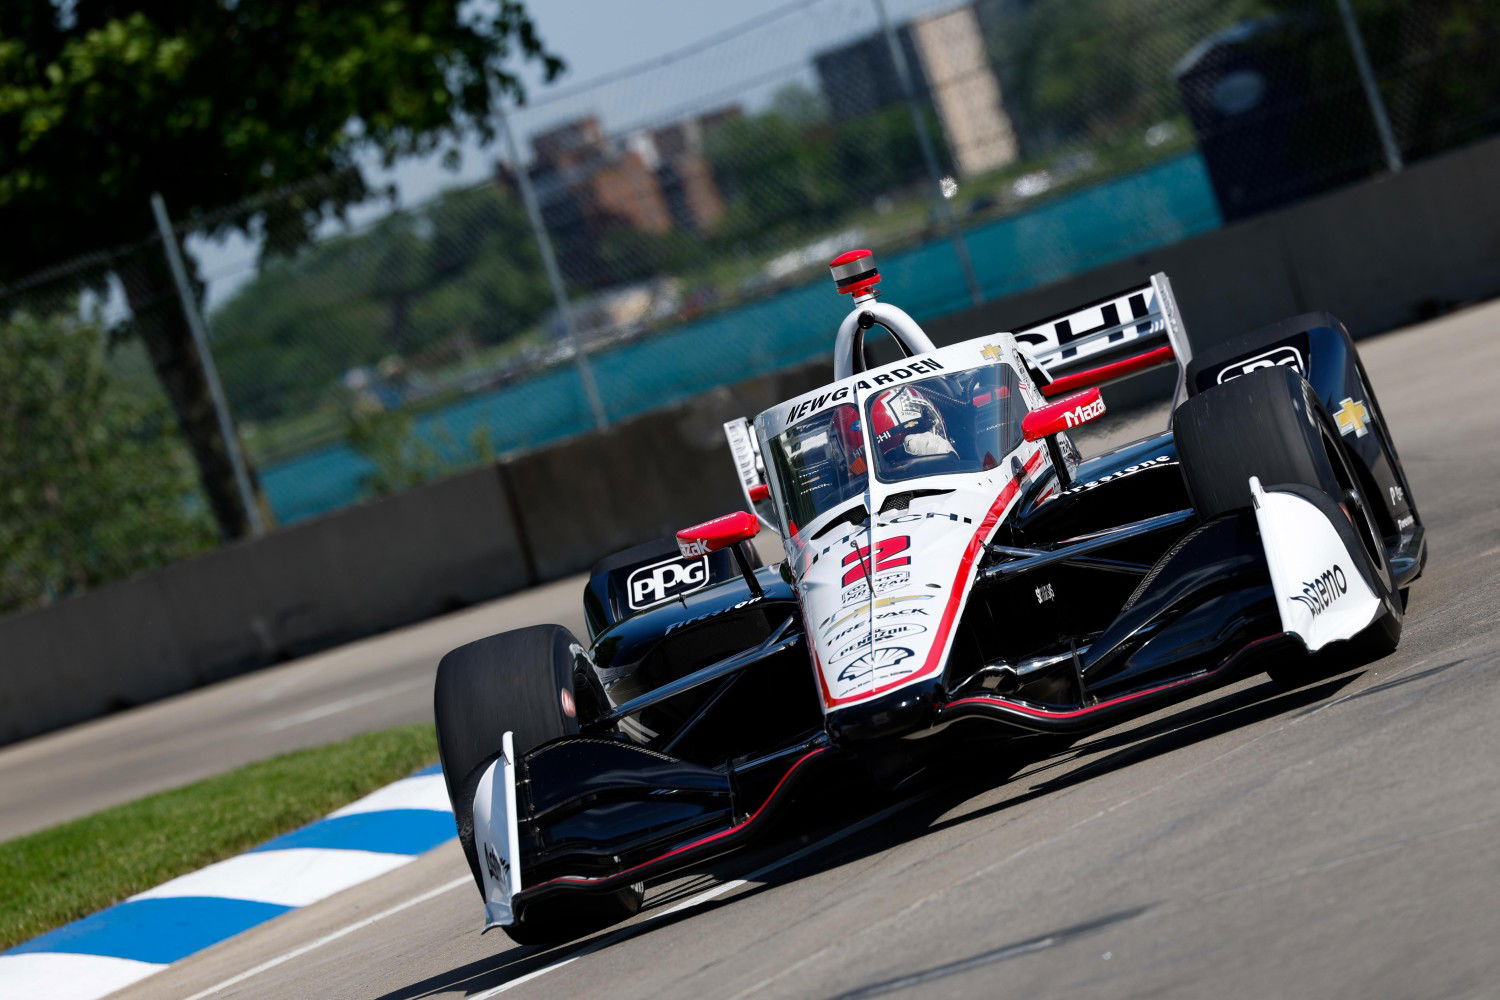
(358, 925)
(709, 894)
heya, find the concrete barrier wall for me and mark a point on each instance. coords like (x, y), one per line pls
(1379, 255)
(361, 571)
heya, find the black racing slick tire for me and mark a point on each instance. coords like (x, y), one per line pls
(1270, 424)
(521, 682)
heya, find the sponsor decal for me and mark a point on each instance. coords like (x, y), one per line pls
(884, 602)
(845, 393)
(862, 624)
(1323, 589)
(1284, 355)
(1083, 413)
(1352, 418)
(1045, 593)
(1129, 470)
(712, 614)
(1398, 495)
(927, 516)
(1406, 522)
(876, 659)
(694, 548)
(568, 707)
(1115, 321)
(887, 556)
(879, 635)
(883, 583)
(990, 352)
(497, 866)
(662, 581)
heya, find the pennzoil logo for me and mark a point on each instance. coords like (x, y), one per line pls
(1322, 590)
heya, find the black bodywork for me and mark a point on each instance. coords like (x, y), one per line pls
(1104, 596)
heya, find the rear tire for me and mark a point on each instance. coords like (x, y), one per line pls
(514, 681)
(1269, 424)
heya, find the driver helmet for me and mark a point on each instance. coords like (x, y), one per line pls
(906, 424)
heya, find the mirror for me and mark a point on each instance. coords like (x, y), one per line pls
(720, 533)
(1075, 411)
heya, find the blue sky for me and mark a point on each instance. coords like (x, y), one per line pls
(600, 39)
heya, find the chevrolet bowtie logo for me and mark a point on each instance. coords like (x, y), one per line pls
(1352, 418)
(991, 352)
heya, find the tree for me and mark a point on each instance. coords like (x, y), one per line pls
(103, 102)
(91, 487)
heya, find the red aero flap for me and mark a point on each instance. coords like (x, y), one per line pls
(720, 533)
(1071, 412)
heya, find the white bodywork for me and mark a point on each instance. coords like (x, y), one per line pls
(496, 841)
(881, 599)
(1320, 593)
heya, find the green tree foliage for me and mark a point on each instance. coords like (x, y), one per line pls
(91, 489)
(461, 272)
(213, 102)
(1098, 70)
(790, 171)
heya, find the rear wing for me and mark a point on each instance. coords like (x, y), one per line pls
(1118, 335)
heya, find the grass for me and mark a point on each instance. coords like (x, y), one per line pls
(55, 876)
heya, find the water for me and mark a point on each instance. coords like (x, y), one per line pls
(1125, 215)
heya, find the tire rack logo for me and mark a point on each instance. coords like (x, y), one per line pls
(1283, 355)
(662, 581)
(880, 635)
(876, 659)
(836, 619)
(497, 866)
(1322, 590)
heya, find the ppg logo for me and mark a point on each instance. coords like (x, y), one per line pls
(1284, 355)
(664, 580)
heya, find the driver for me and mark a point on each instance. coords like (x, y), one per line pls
(904, 423)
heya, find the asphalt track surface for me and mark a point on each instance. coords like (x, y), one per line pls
(1338, 839)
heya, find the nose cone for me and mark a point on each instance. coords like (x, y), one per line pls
(902, 711)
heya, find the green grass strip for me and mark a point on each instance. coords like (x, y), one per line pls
(55, 876)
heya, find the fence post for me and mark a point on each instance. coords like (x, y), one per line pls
(199, 330)
(1371, 89)
(554, 276)
(929, 155)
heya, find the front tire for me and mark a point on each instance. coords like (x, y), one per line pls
(521, 681)
(1270, 424)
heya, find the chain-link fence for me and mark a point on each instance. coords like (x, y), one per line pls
(692, 202)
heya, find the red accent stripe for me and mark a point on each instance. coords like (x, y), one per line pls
(1117, 369)
(955, 595)
(1043, 713)
(585, 880)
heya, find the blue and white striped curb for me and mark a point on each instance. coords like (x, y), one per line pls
(113, 948)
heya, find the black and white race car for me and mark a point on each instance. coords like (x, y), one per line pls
(952, 563)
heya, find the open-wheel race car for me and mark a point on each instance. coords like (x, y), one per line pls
(952, 563)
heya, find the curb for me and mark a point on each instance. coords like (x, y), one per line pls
(148, 932)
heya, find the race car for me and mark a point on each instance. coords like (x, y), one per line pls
(952, 564)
